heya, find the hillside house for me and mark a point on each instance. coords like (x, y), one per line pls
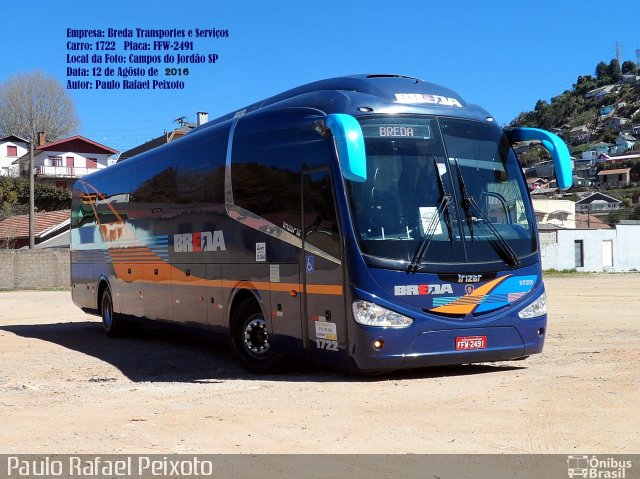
(597, 150)
(535, 182)
(597, 203)
(545, 169)
(615, 123)
(582, 177)
(606, 111)
(579, 134)
(631, 79)
(615, 178)
(625, 142)
(600, 92)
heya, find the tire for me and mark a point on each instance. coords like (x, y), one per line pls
(250, 340)
(112, 324)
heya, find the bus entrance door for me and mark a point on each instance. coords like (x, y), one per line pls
(324, 325)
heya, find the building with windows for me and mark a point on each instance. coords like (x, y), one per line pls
(598, 203)
(615, 178)
(625, 142)
(12, 147)
(62, 162)
(612, 249)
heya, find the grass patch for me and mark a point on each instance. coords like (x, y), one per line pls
(563, 272)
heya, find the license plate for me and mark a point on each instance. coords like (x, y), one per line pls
(464, 343)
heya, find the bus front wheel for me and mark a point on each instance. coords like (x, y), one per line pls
(250, 339)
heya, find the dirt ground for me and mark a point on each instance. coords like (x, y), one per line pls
(67, 388)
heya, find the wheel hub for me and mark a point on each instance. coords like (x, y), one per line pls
(256, 338)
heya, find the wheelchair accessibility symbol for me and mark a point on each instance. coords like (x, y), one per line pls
(310, 264)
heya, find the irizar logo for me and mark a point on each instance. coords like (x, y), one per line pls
(469, 278)
(421, 289)
(199, 242)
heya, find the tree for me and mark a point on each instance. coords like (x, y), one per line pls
(614, 70)
(602, 72)
(14, 197)
(34, 102)
(584, 84)
(540, 104)
(628, 67)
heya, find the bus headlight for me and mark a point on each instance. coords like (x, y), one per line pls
(535, 309)
(371, 314)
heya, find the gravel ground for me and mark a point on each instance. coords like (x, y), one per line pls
(67, 388)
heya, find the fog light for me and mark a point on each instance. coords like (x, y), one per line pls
(378, 344)
(541, 332)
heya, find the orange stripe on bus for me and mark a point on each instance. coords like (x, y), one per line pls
(332, 289)
(179, 277)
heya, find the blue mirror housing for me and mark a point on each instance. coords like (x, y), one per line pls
(554, 145)
(350, 144)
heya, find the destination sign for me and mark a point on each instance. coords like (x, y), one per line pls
(397, 130)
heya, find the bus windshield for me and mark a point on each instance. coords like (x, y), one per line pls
(440, 190)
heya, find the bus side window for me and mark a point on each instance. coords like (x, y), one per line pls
(269, 153)
(201, 169)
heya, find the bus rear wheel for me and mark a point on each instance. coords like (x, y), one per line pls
(112, 325)
(250, 339)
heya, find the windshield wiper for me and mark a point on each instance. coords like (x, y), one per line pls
(470, 206)
(442, 207)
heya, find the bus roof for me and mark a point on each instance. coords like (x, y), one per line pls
(371, 93)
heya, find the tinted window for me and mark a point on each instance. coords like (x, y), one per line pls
(154, 180)
(201, 167)
(189, 170)
(320, 222)
(269, 153)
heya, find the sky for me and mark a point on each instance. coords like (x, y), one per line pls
(502, 54)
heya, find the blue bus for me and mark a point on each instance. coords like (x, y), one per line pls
(367, 222)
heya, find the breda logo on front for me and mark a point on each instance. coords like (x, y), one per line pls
(421, 289)
(199, 242)
(423, 98)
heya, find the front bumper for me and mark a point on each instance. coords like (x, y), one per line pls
(417, 347)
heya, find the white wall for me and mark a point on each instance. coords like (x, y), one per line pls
(79, 160)
(544, 207)
(561, 255)
(5, 161)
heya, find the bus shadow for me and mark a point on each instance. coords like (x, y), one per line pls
(167, 355)
(151, 354)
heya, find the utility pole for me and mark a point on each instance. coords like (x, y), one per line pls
(31, 198)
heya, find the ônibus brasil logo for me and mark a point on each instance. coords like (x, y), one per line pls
(595, 468)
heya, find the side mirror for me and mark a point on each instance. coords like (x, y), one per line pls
(350, 145)
(554, 145)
